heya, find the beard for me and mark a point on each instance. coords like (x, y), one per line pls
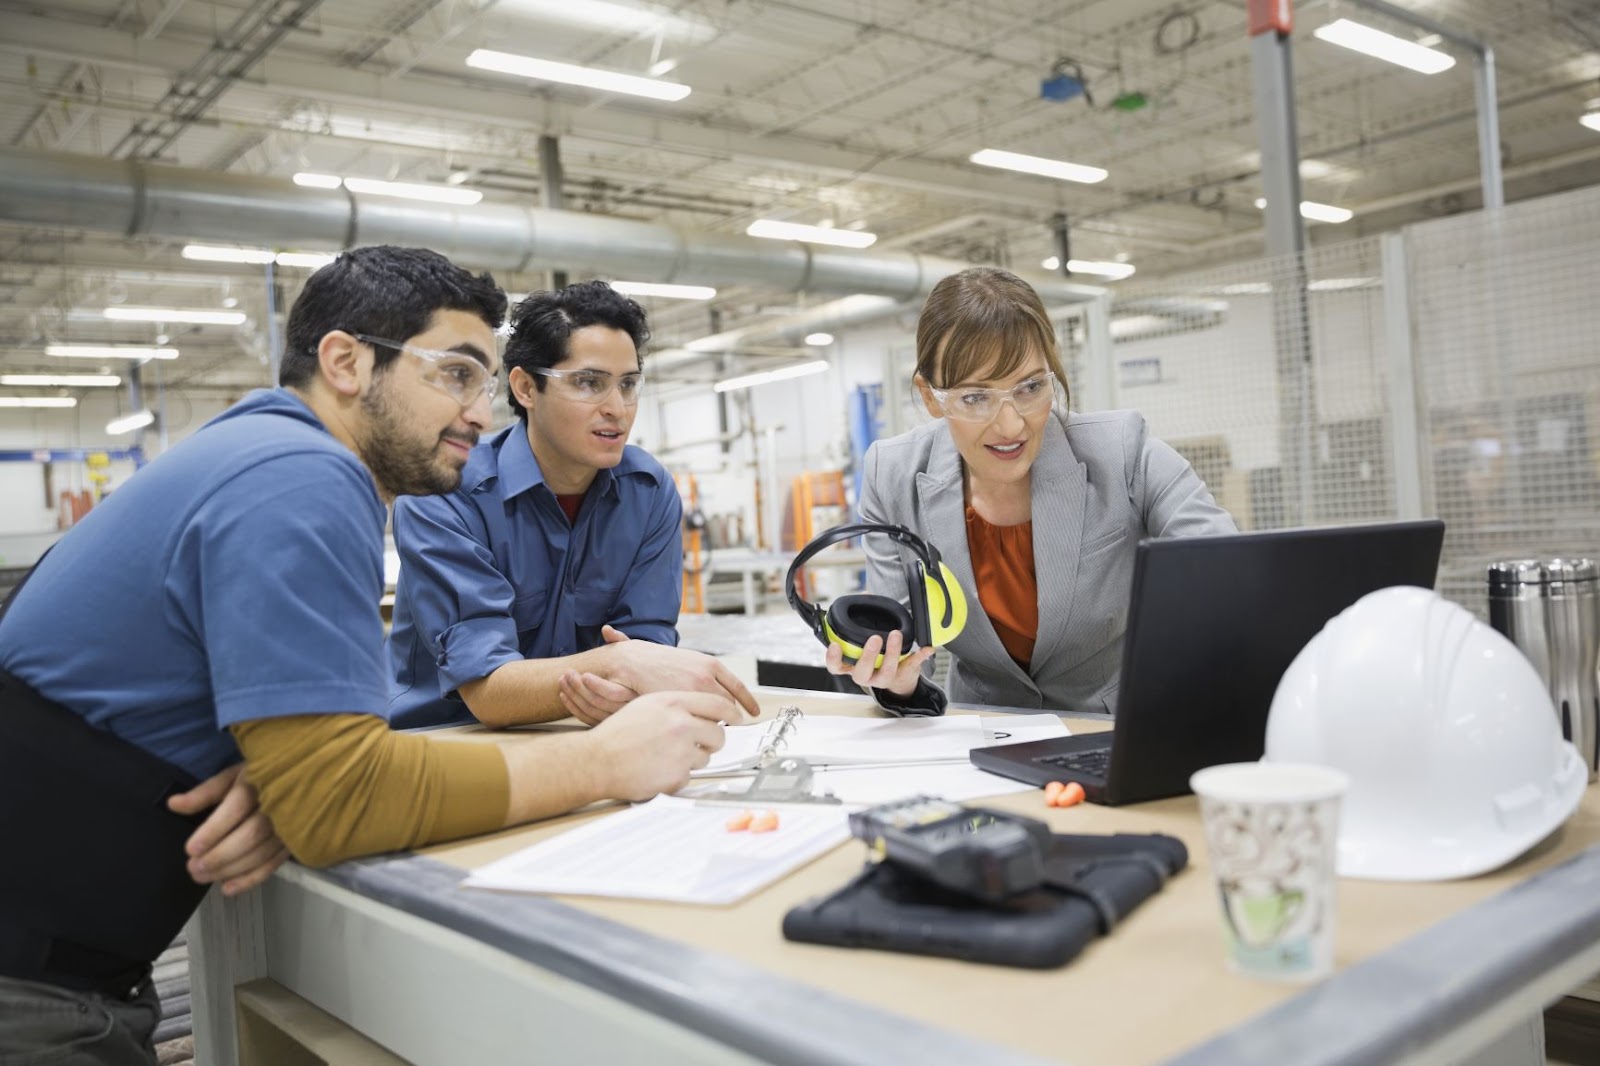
(401, 461)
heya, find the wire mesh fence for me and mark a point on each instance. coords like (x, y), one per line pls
(1452, 370)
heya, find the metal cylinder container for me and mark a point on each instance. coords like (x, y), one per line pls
(1551, 610)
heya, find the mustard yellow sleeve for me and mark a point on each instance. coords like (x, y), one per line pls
(341, 785)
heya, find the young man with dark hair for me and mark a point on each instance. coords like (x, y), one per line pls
(520, 591)
(223, 606)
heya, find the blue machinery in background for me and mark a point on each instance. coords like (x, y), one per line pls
(866, 426)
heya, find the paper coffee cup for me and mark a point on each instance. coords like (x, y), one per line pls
(1272, 834)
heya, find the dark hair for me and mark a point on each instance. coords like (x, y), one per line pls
(983, 319)
(542, 325)
(382, 291)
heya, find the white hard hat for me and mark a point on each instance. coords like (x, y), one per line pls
(1447, 732)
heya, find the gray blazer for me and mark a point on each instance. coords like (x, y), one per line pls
(1100, 484)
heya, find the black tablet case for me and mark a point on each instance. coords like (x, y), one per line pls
(1092, 883)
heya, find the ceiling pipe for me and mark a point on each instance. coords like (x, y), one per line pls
(137, 199)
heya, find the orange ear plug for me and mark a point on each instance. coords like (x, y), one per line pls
(1051, 791)
(739, 822)
(765, 822)
(1071, 794)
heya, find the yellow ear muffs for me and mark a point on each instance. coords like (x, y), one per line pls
(853, 620)
(941, 632)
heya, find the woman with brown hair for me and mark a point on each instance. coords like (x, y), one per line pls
(1036, 509)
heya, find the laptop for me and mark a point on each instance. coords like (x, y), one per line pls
(1213, 623)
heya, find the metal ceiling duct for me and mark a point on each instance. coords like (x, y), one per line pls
(138, 199)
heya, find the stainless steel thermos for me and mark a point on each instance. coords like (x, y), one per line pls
(1550, 609)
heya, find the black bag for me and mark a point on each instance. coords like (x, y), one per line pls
(1092, 883)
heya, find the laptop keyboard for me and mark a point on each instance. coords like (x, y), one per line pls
(1095, 762)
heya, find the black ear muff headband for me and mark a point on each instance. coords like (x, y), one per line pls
(937, 607)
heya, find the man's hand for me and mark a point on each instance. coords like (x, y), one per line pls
(236, 844)
(643, 667)
(896, 674)
(590, 698)
(650, 746)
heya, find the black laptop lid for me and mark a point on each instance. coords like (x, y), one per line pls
(1215, 621)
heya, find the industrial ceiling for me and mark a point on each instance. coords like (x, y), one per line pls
(860, 115)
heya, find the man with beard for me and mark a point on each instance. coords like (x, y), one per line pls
(221, 609)
(520, 591)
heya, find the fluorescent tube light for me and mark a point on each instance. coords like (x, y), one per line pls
(798, 370)
(1101, 268)
(109, 351)
(610, 81)
(1318, 212)
(175, 314)
(819, 340)
(796, 231)
(38, 401)
(308, 260)
(671, 292)
(211, 253)
(404, 190)
(596, 13)
(408, 190)
(1033, 164)
(129, 423)
(1592, 120)
(1386, 46)
(66, 381)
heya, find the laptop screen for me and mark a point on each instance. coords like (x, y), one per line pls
(1214, 622)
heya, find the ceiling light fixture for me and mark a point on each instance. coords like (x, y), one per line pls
(38, 401)
(65, 381)
(1318, 212)
(597, 13)
(1591, 120)
(610, 81)
(213, 253)
(796, 231)
(175, 314)
(1386, 46)
(1033, 164)
(129, 423)
(308, 260)
(402, 190)
(798, 370)
(670, 292)
(109, 351)
(819, 340)
(1100, 268)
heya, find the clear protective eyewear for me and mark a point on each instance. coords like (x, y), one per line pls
(593, 386)
(456, 374)
(972, 404)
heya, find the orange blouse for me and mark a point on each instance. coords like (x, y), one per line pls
(1002, 566)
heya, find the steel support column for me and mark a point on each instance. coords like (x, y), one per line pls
(1271, 23)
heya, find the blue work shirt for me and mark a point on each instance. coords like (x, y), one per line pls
(493, 572)
(236, 577)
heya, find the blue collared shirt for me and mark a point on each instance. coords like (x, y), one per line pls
(493, 572)
(236, 577)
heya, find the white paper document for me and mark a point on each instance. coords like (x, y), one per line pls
(829, 740)
(955, 781)
(670, 849)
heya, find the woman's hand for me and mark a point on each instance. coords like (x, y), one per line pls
(896, 674)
